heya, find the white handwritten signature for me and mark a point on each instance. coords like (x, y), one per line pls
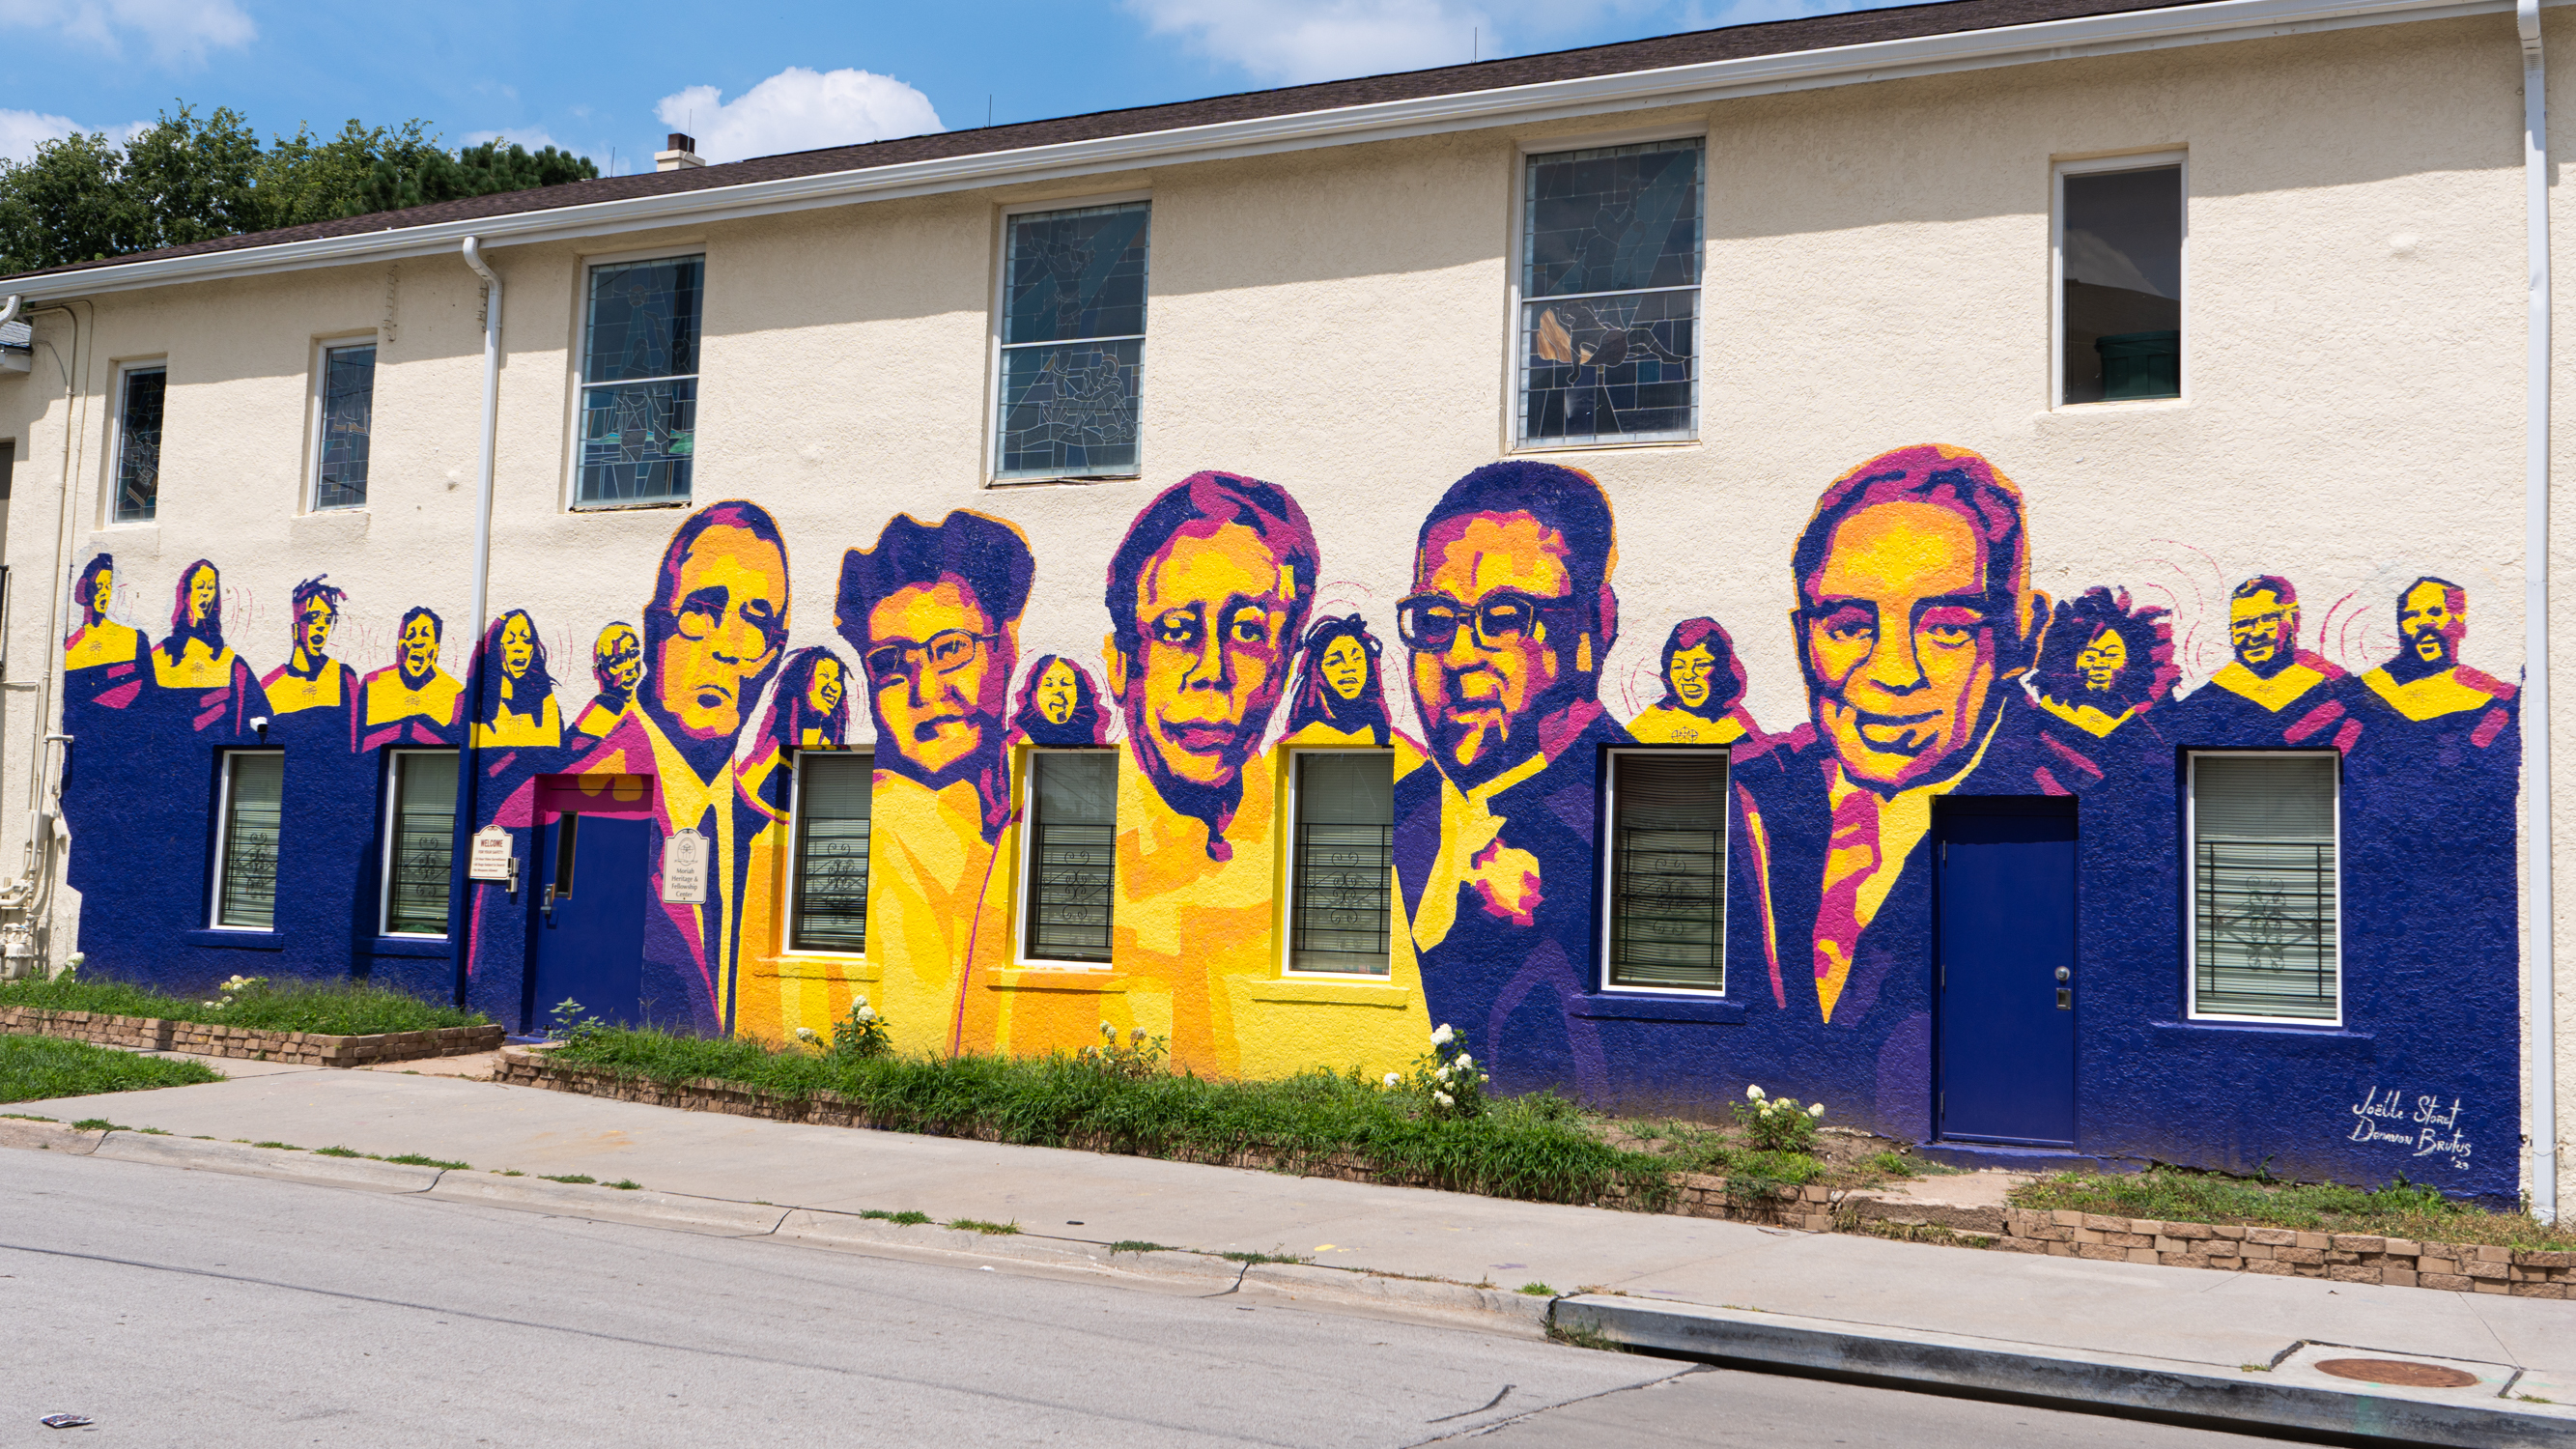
(2436, 1132)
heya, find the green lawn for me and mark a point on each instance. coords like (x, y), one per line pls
(2403, 1210)
(36, 1067)
(333, 1008)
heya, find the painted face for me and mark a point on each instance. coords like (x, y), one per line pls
(935, 671)
(1210, 614)
(1479, 691)
(419, 648)
(623, 652)
(2264, 632)
(1900, 651)
(1058, 693)
(201, 596)
(313, 628)
(1345, 667)
(1690, 673)
(102, 592)
(518, 647)
(2429, 627)
(2102, 661)
(823, 694)
(731, 603)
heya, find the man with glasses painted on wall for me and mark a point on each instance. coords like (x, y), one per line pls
(1510, 618)
(2272, 692)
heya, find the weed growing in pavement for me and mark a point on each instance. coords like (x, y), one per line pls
(1538, 1290)
(624, 1184)
(415, 1159)
(571, 1177)
(1136, 1245)
(99, 1124)
(978, 1225)
(1255, 1260)
(906, 1219)
(2400, 1210)
(335, 1008)
(279, 1146)
(1576, 1335)
(513, 1172)
(337, 1152)
(33, 1068)
(29, 1117)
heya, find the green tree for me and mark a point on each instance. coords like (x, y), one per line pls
(434, 176)
(69, 204)
(303, 179)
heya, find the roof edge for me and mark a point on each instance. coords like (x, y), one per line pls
(2111, 34)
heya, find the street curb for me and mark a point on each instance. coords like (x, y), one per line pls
(48, 1137)
(293, 1166)
(573, 1199)
(1995, 1367)
(1421, 1295)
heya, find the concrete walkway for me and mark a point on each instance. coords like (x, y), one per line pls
(2188, 1315)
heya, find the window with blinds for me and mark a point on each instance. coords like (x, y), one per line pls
(420, 842)
(1342, 893)
(1668, 871)
(2264, 887)
(832, 852)
(1072, 854)
(246, 878)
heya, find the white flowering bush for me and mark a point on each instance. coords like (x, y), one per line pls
(862, 1033)
(233, 989)
(1135, 1055)
(1778, 1124)
(1446, 1078)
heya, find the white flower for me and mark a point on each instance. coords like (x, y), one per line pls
(1442, 1036)
(1752, 1094)
(1109, 1031)
(807, 1033)
(1817, 1110)
(1444, 1099)
(1137, 1036)
(1395, 1079)
(858, 1001)
(1465, 1061)
(865, 1014)
(1441, 1071)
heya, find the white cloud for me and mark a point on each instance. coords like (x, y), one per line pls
(1292, 41)
(21, 132)
(798, 110)
(171, 30)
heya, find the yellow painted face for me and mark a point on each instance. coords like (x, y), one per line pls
(935, 710)
(313, 627)
(1690, 674)
(518, 647)
(419, 647)
(1211, 618)
(1900, 652)
(2102, 660)
(1058, 693)
(201, 595)
(823, 694)
(623, 652)
(2262, 629)
(731, 603)
(1345, 667)
(104, 592)
(2429, 627)
(1478, 693)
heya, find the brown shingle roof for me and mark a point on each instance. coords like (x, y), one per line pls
(1821, 32)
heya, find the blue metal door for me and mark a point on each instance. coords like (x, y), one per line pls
(2004, 969)
(590, 916)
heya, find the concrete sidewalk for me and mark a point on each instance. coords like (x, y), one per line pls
(2194, 1319)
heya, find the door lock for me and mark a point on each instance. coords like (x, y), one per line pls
(2065, 999)
(550, 903)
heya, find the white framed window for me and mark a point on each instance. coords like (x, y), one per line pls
(141, 390)
(248, 812)
(1069, 375)
(2117, 254)
(1608, 294)
(831, 833)
(1666, 887)
(1069, 857)
(1341, 868)
(2265, 886)
(638, 429)
(420, 841)
(341, 424)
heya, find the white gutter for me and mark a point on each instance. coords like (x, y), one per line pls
(1684, 85)
(2543, 1001)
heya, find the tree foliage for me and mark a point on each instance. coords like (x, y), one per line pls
(188, 178)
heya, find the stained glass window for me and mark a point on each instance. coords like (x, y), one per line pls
(254, 807)
(1073, 843)
(1610, 274)
(1345, 885)
(420, 842)
(1668, 870)
(1073, 342)
(639, 381)
(2265, 939)
(832, 817)
(138, 445)
(348, 408)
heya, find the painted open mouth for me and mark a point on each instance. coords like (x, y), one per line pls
(1200, 739)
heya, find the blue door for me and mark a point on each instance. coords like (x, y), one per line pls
(2004, 969)
(590, 916)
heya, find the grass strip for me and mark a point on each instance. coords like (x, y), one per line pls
(1535, 1147)
(2401, 1210)
(33, 1068)
(333, 1008)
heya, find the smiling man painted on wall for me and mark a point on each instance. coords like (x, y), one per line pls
(2272, 692)
(410, 701)
(1509, 620)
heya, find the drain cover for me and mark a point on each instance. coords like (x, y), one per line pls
(2398, 1372)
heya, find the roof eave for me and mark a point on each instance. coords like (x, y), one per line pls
(1386, 120)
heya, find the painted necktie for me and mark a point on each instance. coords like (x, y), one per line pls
(1849, 861)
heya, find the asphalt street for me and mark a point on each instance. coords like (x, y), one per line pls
(193, 1308)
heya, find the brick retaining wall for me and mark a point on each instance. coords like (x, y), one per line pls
(152, 1033)
(2283, 1252)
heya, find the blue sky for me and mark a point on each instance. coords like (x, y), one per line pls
(747, 78)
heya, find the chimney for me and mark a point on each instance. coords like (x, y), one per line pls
(682, 155)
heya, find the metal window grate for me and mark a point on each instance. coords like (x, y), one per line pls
(832, 823)
(424, 844)
(1668, 869)
(1345, 884)
(1073, 843)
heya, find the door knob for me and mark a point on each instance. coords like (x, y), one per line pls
(2064, 974)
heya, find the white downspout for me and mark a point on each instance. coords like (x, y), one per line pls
(9, 309)
(469, 773)
(2543, 997)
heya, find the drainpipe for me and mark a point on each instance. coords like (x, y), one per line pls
(9, 309)
(468, 768)
(2535, 551)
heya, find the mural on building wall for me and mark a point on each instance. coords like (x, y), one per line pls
(1932, 670)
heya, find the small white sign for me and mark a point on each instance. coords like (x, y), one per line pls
(684, 869)
(490, 859)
